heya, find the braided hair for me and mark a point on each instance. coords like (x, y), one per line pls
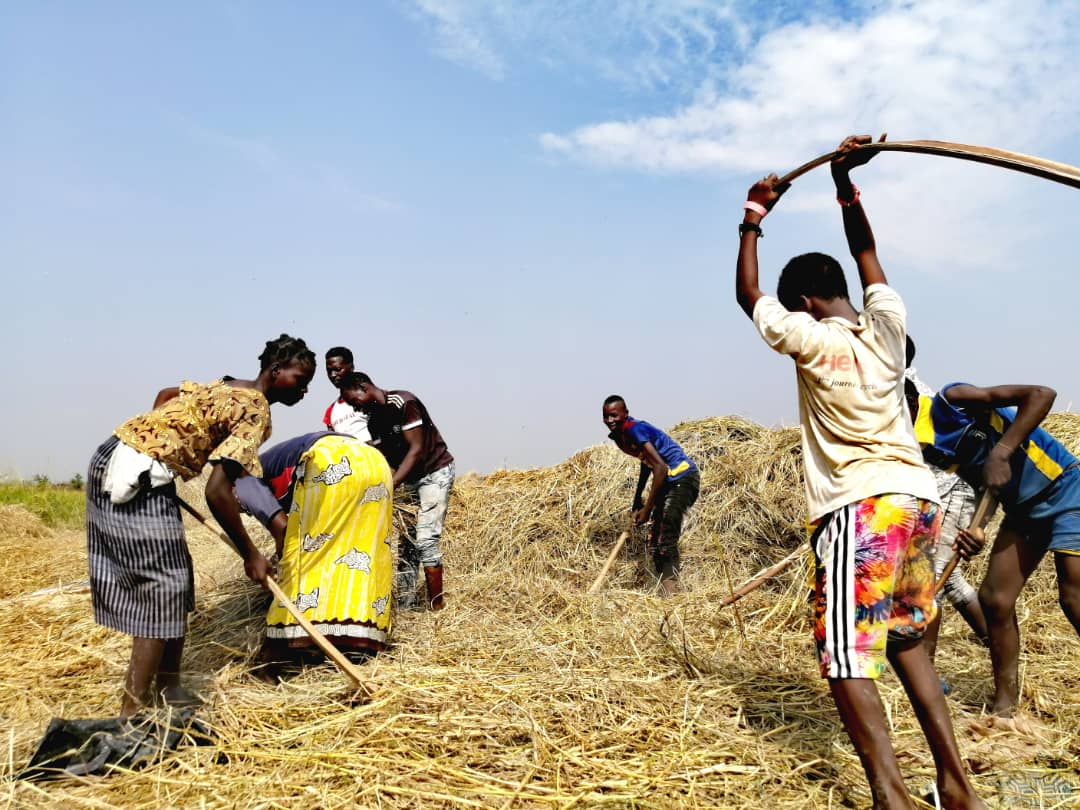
(284, 350)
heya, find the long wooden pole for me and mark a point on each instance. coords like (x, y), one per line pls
(760, 578)
(323, 643)
(983, 512)
(1040, 167)
(610, 562)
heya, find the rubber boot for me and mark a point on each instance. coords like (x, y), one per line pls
(433, 578)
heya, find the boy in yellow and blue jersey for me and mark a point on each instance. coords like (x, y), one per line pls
(675, 487)
(992, 437)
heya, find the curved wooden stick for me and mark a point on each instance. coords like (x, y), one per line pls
(1040, 167)
(983, 512)
(321, 641)
(610, 561)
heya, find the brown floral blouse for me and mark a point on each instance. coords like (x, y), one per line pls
(204, 423)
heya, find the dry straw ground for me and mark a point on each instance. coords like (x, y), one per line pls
(526, 692)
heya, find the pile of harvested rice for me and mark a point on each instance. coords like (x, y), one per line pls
(526, 692)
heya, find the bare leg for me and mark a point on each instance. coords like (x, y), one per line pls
(973, 615)
(930, 637)
(1068, 572)
(913, 667)
(146, 656)
(860, 708)
(168, 675)
(1012, 562)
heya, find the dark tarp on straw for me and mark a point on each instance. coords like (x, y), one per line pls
(82, 747)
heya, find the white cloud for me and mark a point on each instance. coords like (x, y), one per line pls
(996, 72)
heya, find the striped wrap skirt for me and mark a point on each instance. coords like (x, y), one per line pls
(141, 577)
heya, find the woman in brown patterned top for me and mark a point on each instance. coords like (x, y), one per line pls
(141, 576)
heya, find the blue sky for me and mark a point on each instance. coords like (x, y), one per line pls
(510, 209)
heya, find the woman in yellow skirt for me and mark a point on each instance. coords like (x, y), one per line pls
(327, 499)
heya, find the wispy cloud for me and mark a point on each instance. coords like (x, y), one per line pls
(992, 72)
(460, 34)
(998, 72)
(641, 44)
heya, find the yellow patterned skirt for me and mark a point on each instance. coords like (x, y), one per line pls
(336, 562)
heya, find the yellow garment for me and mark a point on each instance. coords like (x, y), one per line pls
(336, 562)
(203, 423)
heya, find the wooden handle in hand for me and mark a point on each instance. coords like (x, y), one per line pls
(1040, 167)
(610, 561)
(321, 641)
(983, 512)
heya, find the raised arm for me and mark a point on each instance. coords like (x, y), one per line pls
(1033, 403)
(860, 238)
(762, 196)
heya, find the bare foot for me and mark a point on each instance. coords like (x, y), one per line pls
(180, 698)
(670, 586)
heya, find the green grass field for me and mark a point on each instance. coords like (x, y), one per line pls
(58, 506)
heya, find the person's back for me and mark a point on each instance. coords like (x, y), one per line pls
(857, 436)
(403, 411)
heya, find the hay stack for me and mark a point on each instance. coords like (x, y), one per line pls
(33, 556)
(526, 692)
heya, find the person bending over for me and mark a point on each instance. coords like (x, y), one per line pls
(675, 487)
(141, 576)
(403, 431)
(993, 436)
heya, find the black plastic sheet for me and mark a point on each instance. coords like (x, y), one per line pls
(84, 747)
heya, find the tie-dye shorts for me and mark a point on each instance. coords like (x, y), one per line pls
(874, 580)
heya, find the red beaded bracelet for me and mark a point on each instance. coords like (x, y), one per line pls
(853, 200)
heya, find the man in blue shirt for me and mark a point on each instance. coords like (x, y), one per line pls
(992, 437)
(675, 487)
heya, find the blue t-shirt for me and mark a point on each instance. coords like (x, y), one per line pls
(635, 432)
(265, 497)
(953, 438)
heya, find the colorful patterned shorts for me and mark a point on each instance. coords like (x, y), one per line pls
(874, 580)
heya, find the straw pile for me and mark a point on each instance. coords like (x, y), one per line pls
(526, 692)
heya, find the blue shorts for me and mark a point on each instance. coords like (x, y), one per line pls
(1054, 515)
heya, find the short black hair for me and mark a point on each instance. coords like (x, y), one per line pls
(354, 379)
(285, 349)
(613, 399)
(814, 275)
(340, 351)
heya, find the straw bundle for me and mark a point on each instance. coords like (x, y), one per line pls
(526, 692)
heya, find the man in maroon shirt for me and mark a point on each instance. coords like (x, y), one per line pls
(403, 431)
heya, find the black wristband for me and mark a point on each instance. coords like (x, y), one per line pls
(747, 227)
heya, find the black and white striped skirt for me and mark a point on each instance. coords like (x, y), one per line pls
(141, 578)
